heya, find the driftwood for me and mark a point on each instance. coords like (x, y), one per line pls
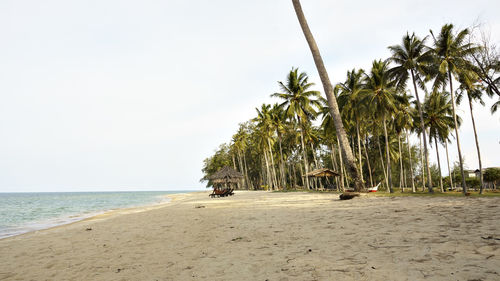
(348, 195)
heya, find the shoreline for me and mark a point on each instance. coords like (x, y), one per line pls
(258, 235)
(96, 215)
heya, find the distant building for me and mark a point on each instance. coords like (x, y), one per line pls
(471, 173)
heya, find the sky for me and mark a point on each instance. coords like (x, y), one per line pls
(133, 95)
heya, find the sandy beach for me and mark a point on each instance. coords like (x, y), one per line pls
(269, 236)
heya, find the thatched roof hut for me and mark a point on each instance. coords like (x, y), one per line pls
(319, 173)
(226, 175)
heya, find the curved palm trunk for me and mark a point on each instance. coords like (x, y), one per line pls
(342, 178)
(359, 151)
(419, 107)
(411, 165)
(464, 186)
(477, 147)
(439, 163)
(401, 172)
(282, 165)
(368, 163)
(448, 161)
(275, 181)
(332, 101)
(268, 172)
(388, 157)
(334, 164)
(249, 184)
(238, 184)
(383, 165)
(305, 180)
(422, 161)
(316, 165)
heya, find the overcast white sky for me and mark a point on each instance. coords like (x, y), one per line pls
(133, 95)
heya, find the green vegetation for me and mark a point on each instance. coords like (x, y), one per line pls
(299, 134)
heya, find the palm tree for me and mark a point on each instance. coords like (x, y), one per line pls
(332, 102)
(469, 86)
(299, 105)
(403, 119)
(412, 58)
(330, 133)
(451, 52)
(378, 96)
(350, 107)
(278, 123)
(438, 116)
(264, 123)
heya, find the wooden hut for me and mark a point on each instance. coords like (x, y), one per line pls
(323, 173)
(225, 177)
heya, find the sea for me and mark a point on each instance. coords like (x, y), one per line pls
(25, 212)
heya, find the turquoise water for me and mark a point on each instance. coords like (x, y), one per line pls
(24, 212)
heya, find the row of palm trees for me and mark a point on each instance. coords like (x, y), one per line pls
(288, 139)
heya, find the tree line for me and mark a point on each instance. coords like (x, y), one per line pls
(413, 93)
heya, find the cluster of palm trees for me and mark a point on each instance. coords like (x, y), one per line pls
(286, 140)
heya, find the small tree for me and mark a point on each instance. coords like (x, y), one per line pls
(492, 175)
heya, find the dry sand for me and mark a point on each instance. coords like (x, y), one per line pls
(269, 236)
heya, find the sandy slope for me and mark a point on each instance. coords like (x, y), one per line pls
(269, 236)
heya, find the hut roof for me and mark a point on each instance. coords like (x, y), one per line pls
(226, 175)
(322, 173)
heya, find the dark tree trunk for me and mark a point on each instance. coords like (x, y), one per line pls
(388, 157)
(332, 101)
(464, 186)
(422, 125)
(477, 147)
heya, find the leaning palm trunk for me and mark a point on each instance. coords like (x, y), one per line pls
(304, 179)
(368, 163)
(401, 173)
(269, 180)
(448, 160)
(477, 147)
(282, 165)
(275, 181)
(342, 178)
(388, 157)
(411, 164)
(332, 101)
(439, 163)
(334, 164)
(422, 161)
(427, 168)
(383, 166)
(246, 171)
(464, 186)
(359, 151)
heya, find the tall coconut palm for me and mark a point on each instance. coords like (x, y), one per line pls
(299, 104)
(470, 87)
(379, 96)
(332, 102)
(451, 51)
(413, 59)
(403, 120)
(264, 123)
(350, 107)
(278, 123)
(438, 116)
(328, 130)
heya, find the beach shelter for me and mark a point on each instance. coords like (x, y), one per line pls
(322, 173)
(225, 177)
